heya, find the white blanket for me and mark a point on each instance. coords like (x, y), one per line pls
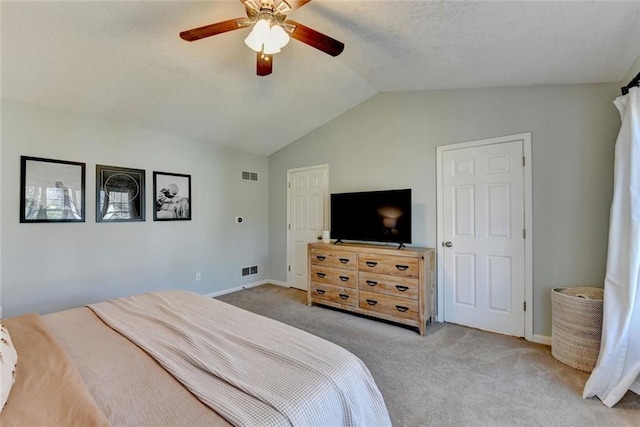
(250, 369)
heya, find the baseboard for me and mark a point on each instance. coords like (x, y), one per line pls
(246, 286)
(541, 339)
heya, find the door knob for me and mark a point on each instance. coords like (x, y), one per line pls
(319, 237)
(447, 244)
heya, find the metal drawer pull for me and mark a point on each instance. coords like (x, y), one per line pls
(372, 302)
(401, 288)
(321, 291)
(321, 275)
(321, 257)
(371, 282)
(371, 263)
(344, 296)
(401, 267)
(402, 308)
(344, 260)
(344, 278)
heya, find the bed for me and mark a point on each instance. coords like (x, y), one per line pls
(178, 358)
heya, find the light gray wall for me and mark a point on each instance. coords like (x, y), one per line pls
(390, 141)
(1, 237)
(48, 267)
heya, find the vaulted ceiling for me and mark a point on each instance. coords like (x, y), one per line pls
(124, 61)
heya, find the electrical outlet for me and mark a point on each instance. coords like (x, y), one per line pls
(198, 276)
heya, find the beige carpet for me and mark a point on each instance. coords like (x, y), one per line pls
(455, 376)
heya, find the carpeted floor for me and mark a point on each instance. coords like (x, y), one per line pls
(455, 376)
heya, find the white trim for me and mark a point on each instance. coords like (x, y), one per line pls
(528, 242)
(541, 339)
(324, 166)
(247, 286)
(528, 221)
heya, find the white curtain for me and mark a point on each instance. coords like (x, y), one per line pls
(618, 367)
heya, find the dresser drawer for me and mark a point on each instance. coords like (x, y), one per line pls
(389, 264)
(386, 304)
(336, 294)
(404, 287)
(334, 276)
(334, 258)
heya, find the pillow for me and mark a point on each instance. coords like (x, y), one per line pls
(8, 364)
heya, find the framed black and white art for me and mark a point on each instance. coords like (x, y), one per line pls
(172, 196)
(51, 190)
(119, 194)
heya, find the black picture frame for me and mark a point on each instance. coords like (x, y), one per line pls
(172, 196)
(51, 190)
(120, 194)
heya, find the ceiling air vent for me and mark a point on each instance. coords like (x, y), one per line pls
(249, 176)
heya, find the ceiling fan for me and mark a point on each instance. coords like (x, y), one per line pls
(271, 31)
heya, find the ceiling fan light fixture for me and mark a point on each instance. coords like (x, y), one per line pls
(279, 36)
(270, 49)
(267, 38)
(259, 33)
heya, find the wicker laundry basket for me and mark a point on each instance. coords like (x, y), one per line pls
(576, 326)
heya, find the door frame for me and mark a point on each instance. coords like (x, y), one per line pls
(324, 166)
(528, 221)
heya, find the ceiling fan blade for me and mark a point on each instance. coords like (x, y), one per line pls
(213, 29)
(264, 65)
(294, 4)
(315, 39)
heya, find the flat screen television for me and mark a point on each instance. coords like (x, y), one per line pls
(376, 216)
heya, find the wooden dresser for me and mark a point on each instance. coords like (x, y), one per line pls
(379, 281)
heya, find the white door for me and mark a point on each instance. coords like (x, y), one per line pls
(483, 247)
(308, 216)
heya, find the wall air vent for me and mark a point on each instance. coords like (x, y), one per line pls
(247, 271)
(249, 176)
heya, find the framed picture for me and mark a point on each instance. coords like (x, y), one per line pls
(51, 190)
(172, 197)
(119, 194)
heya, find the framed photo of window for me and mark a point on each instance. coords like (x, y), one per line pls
(172, 196)
(119, 194)
(51, 190)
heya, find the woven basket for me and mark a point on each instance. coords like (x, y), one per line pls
(576, 326)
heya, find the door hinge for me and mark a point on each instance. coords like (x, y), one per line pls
(289, 268)
(289, 184)
(289, 226)
(524, 162)
(524, 233)
(524, 306)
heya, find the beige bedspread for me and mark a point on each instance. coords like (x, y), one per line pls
(49, 390)
(250, 369)
(130, 387)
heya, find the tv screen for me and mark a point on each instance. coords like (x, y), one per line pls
(378, 216)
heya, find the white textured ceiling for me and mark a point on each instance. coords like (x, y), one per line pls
(124, 61)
